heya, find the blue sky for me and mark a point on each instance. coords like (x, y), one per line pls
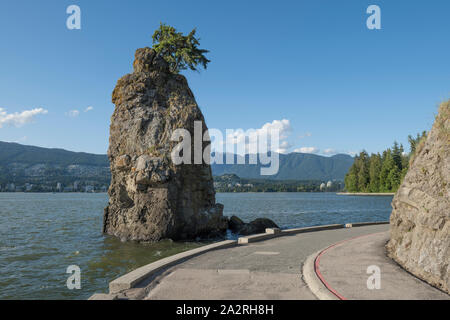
(341, 86)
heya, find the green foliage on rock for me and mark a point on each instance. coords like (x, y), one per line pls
(180, 51)
(415, 141)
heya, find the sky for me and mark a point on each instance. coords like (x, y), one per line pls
(311, 68)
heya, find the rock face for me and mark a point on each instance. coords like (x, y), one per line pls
(420, 220)
(151, 198)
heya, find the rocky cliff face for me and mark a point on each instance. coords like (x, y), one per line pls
(420, 220)
(150, 198)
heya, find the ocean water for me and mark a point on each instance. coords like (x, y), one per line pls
(304, 209)
(41, 235)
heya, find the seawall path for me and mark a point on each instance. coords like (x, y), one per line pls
(328, 262)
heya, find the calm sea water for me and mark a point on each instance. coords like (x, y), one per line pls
(42, 234)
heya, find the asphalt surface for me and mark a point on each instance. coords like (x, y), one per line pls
(347, 267)
(270, 269)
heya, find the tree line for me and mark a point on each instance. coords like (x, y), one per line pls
(234, 183)
(382, 172)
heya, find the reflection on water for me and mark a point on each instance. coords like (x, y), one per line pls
(42, 234)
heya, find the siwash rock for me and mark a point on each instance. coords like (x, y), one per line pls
(420, 220)
(151, 198)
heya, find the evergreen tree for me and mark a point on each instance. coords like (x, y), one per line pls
(351, 178)
(397, 155)
(394, 178)
(387, 165)
(374, 173)
(405, 158)
(381, 173)
(180, 51)
(363, 172)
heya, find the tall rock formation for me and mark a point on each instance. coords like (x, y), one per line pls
(151, 198)
(420, 220)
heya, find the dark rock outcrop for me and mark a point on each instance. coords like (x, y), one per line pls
(420, 220)
(235, 224)
(151, 198)
(259, 225)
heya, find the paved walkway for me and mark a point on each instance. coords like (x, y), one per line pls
(262, 270)
(344, 269)
(272, 270)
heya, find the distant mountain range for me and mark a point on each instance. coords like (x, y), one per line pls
(30, 155)
(44, 168)
(292, 166)
(21, 164)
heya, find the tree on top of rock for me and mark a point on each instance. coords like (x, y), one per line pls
(180, 51)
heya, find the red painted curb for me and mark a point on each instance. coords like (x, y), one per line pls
(317, 264)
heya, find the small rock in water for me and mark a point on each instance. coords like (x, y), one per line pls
(259, 225)
(235, 224)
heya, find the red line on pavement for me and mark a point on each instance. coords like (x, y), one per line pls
(317, 264)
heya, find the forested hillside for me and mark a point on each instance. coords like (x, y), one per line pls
(381, 172)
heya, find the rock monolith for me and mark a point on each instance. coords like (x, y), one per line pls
(151, 198)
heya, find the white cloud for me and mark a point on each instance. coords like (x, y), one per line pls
(307, 150)
(283, 126)
(90, 108)
(240, 141)
(284, 130)
(73, 113)
(241, 137)
(19, 119)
